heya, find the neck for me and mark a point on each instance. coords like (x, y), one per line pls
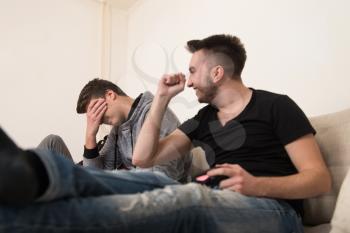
(125, 106)
(232, 97)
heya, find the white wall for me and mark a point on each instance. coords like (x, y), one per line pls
(119, 44)
(295, 47)
(49, 49)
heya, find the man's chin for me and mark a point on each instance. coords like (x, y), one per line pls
(116, 123)
(199, 97)
(108, 123)
(202, 100)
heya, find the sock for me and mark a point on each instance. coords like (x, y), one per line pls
(40, 172)
(23, 177)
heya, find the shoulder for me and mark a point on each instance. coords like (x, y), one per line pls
(202, 117)
(205, 111)
(146, 99)
(271, 100)
(263, 95)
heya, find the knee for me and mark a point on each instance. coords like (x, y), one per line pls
(51, 141)
(53, 138)
(194, 195)
(195, 202)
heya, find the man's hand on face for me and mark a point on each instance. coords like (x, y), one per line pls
(171, 85)
(94, 114)
(239, 180)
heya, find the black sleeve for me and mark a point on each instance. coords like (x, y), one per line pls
(94, 152)
(289, 121)
(191, 127)
(90, 153)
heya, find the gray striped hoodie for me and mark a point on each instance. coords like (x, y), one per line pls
(121, 140)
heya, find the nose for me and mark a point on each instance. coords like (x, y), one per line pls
(189, 81)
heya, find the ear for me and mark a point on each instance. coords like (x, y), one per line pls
(217, 73)
(110, 95)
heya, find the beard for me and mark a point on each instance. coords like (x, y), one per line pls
(208, 92)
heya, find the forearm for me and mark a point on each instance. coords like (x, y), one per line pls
(305, 184)
(94, 114)
(91, 157)
(148, 139)
(90, 141)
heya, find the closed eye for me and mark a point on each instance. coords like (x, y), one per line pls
(191, 70)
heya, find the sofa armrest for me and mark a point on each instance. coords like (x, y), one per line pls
(341, 218)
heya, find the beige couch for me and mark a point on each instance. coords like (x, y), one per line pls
(333, 136)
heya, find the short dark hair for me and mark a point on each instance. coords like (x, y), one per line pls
(96, 88)
(228, 45)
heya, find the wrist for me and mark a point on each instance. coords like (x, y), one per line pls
(162, 100)
(90, 153)
(261, 187)
(90, 142)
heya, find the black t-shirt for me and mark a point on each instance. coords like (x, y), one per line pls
(255, 139)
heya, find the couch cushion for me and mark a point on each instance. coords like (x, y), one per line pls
(341, 217)
(333, 133)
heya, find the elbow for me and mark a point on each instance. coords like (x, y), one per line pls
(326, 186)
(142, 163)
(137, 162)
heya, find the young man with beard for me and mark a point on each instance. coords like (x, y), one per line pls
(262, 142)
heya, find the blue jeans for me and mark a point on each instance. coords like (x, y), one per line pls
(84, 200)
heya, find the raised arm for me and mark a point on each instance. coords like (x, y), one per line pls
(149, 150)
(94, 114)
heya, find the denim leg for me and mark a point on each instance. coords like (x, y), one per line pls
(174, 209)
(69, 180)
(235, 213)
(171, 209)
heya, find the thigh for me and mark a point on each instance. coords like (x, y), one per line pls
(158, 211)
(232, 212)
(128, 182)
(67, 180)
(175, 208)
